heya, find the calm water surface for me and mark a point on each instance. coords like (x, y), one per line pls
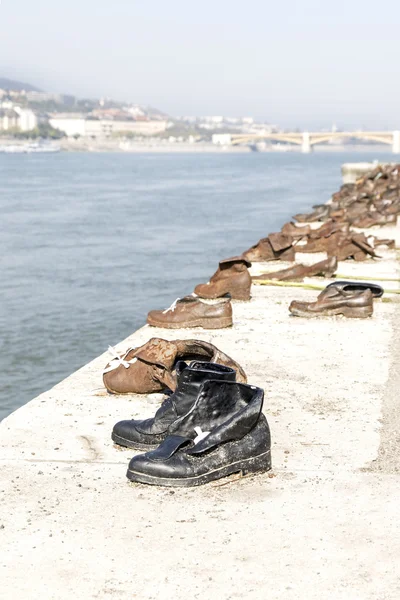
(90, 242)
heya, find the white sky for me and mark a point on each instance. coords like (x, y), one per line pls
(296, 63)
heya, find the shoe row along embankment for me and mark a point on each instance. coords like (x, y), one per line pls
(323, 524)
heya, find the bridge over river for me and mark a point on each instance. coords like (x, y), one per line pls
(307, 139)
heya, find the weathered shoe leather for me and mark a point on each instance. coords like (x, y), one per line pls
(280, 241)
(328, 228)
(319, 214)
(372, 219)
(150, 432)
(263, 251)
(358, 286)
(152, 367)
(232, 277)
(224, 433)
(192, 312)
(325, 268)
(336, 301)
(295, 231)
(341, 245)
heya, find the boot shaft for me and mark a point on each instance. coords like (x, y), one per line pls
(190, 380)
(222, 406)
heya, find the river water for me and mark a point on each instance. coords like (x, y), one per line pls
(90, 242)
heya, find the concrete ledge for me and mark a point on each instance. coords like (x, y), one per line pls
(324, 524)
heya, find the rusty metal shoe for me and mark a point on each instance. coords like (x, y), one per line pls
(325, 268)
(192, 312)
(277, 246)
(296, 231)
(232, 277)
(319, 214)
(152, 367)
(372, 219)
(336, 301)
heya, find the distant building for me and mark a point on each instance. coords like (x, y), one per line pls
(78, 124)
(221, 139)
(17, 118)
(70, 123)
(27, 119)
(8, 119)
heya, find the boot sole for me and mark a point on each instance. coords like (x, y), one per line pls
(258, 464)
(205, 323)
(134, 445)
(351, 313)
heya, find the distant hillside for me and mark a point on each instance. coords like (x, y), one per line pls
(9, 84)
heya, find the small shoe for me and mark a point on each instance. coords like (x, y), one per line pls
(152, 367)
(191, 312)
(232, 277)
(224, 433)
(336, 301)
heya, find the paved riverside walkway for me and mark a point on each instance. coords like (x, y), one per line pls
(323, 525)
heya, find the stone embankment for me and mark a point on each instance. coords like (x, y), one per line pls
(322, 525)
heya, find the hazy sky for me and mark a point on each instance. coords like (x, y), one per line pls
(307, 63)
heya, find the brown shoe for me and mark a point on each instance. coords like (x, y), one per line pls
(192, 312)
(320, 213)
(151, 367)
(264, 251)
(232, 277)
(329, 228)
(280, 241)
(326, 268)
(335, 301)
(296, 231)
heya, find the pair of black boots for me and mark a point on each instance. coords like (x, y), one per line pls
(210, 427)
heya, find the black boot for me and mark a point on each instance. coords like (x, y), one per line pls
(224, 433)
(147, 434)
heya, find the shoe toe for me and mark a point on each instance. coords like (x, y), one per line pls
(202, 289)
(125, 430)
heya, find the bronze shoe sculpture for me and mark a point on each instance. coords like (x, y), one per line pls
(232, 277)
(336, 301)
(192, 312)
(152, 367)
(320, 213)
(326, 268)
(295, 231)
(276, 246)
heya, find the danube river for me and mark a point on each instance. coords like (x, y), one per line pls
(90, 242)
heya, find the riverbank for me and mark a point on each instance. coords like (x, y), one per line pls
(323, 524)
(159, 146)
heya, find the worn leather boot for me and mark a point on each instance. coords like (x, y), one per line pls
(326, 268)
(152, 367)
(192, 312)
(224, 433)
(336, 301)
(150, 432)
(232, 277)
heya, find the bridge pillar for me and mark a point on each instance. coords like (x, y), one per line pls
(396, 142)
(306, 146)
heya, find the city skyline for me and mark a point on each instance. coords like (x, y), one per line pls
(298, 65)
